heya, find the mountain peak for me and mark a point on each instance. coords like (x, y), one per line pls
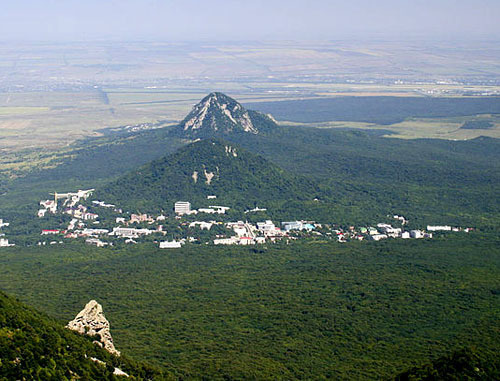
(219, 114)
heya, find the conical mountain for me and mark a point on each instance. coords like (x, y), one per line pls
(206, 167)
(218, 115)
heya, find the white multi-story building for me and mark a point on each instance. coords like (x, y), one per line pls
(416, 234)
(438, 228)
(5, 242)
(201, 224)
(405, 235)
(240, 231)
(170, 245)
(378, 237)
(94, 232)
(220, 209)
(182, 207)
(292, 225)
(266, 226)
(226, 241)
(96, 242)
(206, 210)
(89, 216)
(129, 232)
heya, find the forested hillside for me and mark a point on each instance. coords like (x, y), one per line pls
(36, 347)
(463, 364)
(362, 310)
(367, 176)
(208, 167)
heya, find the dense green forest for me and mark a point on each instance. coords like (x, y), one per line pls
(34, 346)
(368, 175)
(362, 310)
(463, 364)
(377, 109)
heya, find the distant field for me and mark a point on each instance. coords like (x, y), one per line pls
(420, 128)
(21, 110)
(32, 120)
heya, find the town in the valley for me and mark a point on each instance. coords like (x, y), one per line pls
(101, 224)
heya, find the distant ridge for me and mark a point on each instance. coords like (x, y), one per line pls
(219, 115)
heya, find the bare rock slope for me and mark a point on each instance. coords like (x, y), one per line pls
(218, 115)
(91, 321)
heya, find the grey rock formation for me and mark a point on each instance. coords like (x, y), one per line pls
(91, 321)
(220, 115)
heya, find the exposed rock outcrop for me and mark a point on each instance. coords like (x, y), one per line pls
(219, 115)
(91, 321)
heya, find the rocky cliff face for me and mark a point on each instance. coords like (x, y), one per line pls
(91, 321)
(218, 114)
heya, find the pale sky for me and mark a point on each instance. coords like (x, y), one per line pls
(66, 20)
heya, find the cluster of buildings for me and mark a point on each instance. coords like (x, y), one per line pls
(81, 212)
(182, 208)
(94, 236)
(69, 200)
(234, 233)
(139, 219)
(247, 234)
(262, 232)
(384, 231)
(4, 242)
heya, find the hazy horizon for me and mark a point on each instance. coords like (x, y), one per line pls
(175, 20)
